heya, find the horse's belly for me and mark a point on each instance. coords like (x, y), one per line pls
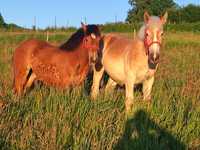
(115, 69)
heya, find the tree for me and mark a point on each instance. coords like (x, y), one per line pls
(2, 23)
(190, 13)
(154, 7)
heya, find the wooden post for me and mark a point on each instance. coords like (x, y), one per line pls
(134, 33)
(47, 35)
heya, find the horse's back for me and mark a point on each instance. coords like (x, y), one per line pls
(23, 54)
(26, 48)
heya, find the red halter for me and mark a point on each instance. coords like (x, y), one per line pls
(89, 46)
(147, 44)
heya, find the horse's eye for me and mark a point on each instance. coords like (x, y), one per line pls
(161, 33)
(146, 34)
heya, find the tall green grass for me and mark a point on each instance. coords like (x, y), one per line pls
(49, 119)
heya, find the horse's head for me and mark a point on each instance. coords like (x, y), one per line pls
(153, 32)
(92, 41)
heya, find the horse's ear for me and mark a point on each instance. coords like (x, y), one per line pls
(146, 17)
(84, 27)
(164, 18)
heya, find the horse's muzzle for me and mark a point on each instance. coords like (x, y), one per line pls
(153, 60)
(93, 58)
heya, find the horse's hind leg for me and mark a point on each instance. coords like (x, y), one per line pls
(20, 77)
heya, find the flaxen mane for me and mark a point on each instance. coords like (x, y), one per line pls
(75, 40)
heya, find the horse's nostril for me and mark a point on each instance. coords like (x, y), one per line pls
(157, 58)
(154, 58)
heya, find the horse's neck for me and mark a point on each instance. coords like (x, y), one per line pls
(82, 53)
(140, 45)
(140, 39)
(140, 33)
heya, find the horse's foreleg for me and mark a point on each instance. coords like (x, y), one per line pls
(129, 94)
(110, 85)
(147, 87)
(97, 75)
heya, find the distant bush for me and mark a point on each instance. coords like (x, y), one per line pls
(119, 27)
(189, 27)
(125, 27)
(61, 29)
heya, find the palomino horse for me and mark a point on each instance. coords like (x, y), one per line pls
(131, 61)
(61, 67)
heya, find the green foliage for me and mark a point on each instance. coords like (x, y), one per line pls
(8, 27)
(189, 13)
(154, 7)
(125, 27)
(119, 27)
(61, 29)
(2, 23)
(183, 27)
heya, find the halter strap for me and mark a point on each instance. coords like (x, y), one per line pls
(88, 46)
(148, 45)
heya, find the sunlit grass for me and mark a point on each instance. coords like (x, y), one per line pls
(46, 118)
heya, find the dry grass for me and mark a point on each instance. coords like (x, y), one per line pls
(49, 119)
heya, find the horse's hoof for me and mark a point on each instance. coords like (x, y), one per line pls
(93, 97)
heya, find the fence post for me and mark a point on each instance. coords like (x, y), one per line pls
(134, 33)
(47, 35)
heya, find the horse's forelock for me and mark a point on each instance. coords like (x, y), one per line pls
(76, 39)
(153, 21)
(93, 29)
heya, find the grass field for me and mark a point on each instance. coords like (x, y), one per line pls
(49, 119)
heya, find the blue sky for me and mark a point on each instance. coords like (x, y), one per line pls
(67, 12)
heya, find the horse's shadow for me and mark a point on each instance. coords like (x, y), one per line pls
(4, 145)
(142, 133)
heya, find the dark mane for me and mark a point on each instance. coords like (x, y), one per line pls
(76, 39)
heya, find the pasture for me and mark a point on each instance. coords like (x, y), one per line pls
(46, 118)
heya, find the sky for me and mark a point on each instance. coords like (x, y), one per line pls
(67, 12)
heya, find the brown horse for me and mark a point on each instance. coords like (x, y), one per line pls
(61, 67)
(132, 61)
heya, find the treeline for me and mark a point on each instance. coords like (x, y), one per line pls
(189, 13)
(7, 27)
(61, 29)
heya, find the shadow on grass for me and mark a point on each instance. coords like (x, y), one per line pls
(4, 145)
(142, 133)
